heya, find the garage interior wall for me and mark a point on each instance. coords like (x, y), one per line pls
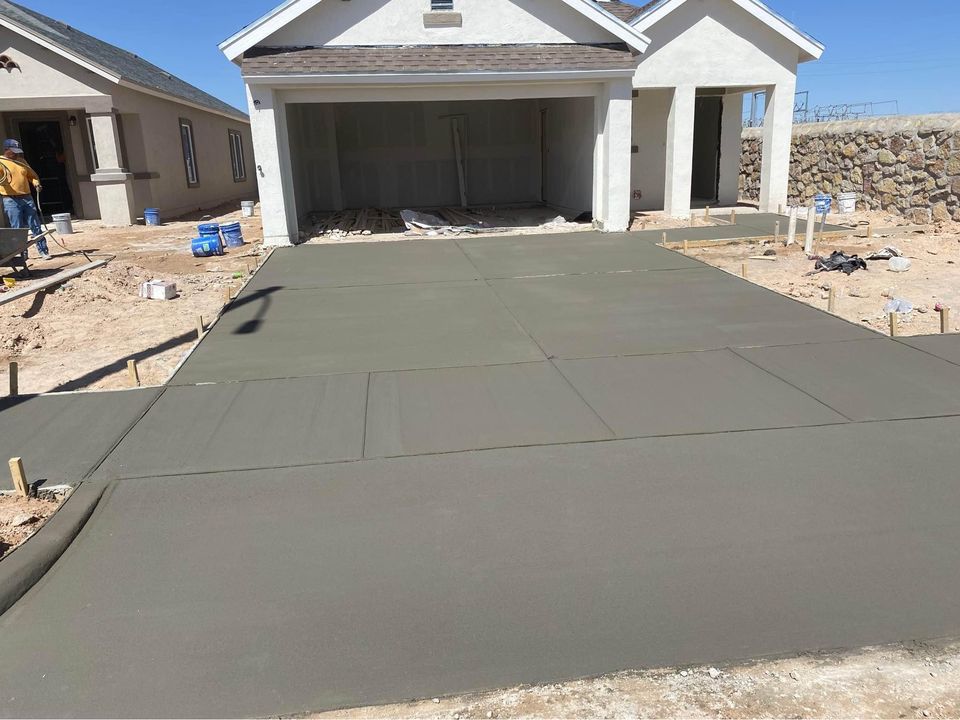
(404, 155)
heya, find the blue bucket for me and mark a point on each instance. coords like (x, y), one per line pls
(232, 234)
(208, 229)
(151, 216)
(822, 203)
(206, 246)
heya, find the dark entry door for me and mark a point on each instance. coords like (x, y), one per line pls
(43, 147)
(706, 149)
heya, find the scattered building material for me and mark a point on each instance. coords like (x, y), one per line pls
(839, 260)
(158, 290)
(53, 281)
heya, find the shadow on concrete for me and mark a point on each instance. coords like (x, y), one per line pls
(263, 297)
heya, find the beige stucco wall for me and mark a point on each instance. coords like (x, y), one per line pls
(53, 87)
(400, 22)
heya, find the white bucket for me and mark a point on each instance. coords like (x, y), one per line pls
(247, 207)
(847, 202)
(63, 224)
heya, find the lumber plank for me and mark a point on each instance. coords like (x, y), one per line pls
(51, 281)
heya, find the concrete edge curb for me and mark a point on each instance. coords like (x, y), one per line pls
(26, 565)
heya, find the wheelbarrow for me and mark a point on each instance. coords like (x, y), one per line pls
(13, 248)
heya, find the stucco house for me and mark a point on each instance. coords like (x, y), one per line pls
(111, 134)
(583, 105)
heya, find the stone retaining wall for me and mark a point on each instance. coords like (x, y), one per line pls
(907, 165)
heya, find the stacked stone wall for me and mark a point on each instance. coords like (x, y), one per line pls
(909, 166)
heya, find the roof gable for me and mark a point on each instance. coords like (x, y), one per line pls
(285, 15)
(106, 60)
(810, 49)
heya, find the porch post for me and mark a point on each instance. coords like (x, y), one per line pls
(731, 148)
(777, 137)
(679, 170)
(271, 147)
(114, 183)
(612, 159)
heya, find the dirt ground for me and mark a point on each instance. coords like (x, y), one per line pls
(81, 334)
(934, 276)
(916, 680)
(21, 517)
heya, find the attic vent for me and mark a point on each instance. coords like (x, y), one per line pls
(441, 4)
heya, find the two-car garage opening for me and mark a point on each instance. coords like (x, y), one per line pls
(442, 154)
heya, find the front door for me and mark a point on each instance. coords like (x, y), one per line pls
(43, 147)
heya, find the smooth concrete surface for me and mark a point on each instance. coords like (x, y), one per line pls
(295, 333)
(62, 438)
(690, 393)
(430, 411)
(369, 263)
(289, 591)
(661, 312)
(867, 380)
(943, 346)
(235, 426)
(569, 253)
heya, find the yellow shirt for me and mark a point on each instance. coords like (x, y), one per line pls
(16, 178)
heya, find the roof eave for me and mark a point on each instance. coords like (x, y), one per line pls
(60, 50)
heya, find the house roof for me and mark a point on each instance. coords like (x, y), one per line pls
(259, 30)
(624, 11)
(811, 49)
(108, 60)
(262, 61)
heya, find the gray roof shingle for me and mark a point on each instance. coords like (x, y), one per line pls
(436, 59)
(115, 60)
(624, 11)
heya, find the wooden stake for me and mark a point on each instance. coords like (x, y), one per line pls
(200, 327)
(134, 373)
(19, 477)
(776, 233)
(780, 209)
(663, 242)
(707, 213)
(733, 217)
(227, 295)
(832, 301)
(894, 325)
(14, 379)
(869, 230)
(686, 247)
(792, 226)
(743, 271)
(945, 320)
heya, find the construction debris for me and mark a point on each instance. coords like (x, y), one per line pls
(838, 260)
(158, 290)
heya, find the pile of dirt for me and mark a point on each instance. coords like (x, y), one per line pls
(21, 517)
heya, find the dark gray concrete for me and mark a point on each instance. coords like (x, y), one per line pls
(429, 411)
(766, 223)
(690, 393)
(278, 592)
(570, 253)
(943, 346)
(235, 426)
(62, 438)
(296, 333)
(867, 380)
(374, 263)
(661, 312)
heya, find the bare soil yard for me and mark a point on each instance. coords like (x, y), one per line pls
(81, 334)
(21, 517)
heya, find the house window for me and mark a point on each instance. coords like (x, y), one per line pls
(189, 153)
(236, 156)
(441, 4)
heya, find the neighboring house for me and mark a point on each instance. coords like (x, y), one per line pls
(584, 105)
(109, 133)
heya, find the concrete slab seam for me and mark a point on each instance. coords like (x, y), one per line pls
(123, 435)
(903, 341)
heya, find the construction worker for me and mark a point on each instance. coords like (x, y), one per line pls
(17, 179)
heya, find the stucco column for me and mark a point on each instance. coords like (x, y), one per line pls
(679, 170)
(271, 148)
(777, 136)
(113, 182)
(731, 147)
(612, 159)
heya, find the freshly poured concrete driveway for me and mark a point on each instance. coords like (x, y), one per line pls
(402, 470)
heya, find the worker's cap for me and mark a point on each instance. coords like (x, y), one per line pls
(14, 145)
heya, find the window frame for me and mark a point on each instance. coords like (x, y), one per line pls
(238, 163)
(186, 123)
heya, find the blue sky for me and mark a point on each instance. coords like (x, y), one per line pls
(877, 50)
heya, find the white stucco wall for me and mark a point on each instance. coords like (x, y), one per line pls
(714, 43)
(650, 109)
(44, 73)
(400, 22)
